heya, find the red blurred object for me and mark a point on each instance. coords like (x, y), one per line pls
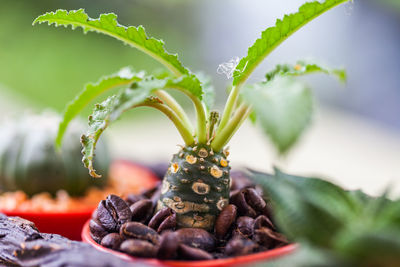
(234, 261)
(70, 223)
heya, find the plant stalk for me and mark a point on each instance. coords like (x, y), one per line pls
(176, 107)
(230, 105)
(223, 137)
(201, 130)
(183, 130)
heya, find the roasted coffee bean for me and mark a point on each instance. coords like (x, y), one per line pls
(263, 221)
(112, 241)
(164, 219)
(197, 238)
(168, 245)
(240, 180)
(189, 253)
(113, 212)
(168, 224)
(245, 226)
(240, 202)
(150, 192)
(268, 238)
(254, 199)
(97, 231)
(133, 198)
(139, 248)
(225, 220)
(240, 246)
(142, 210)
(156, 196)
(138, 230)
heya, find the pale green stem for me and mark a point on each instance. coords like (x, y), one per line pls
(222, 138)
(229, 107)
(176, 107)
(201, 120)
(185, 132)
(200, 113)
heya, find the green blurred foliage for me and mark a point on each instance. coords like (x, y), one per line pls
(49, 66)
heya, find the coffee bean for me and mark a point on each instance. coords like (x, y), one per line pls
(97, 231)
(142, 210)
(139, 248)
(138, 230)
(168, 224)
(245, 226)
(152, 191)
(263, 221)
(268, 238)
(156, 196)
(133, 198)
(113, 212)
(254, 199)
(164, 219)
(239, 245)
(244, 209)
(225, 220)
(197, 238)
(168, 245)
(189, 253)
(239, 180)
(112, 241)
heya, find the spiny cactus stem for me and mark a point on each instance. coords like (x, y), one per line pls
(196, 186)
(222, 138)
(183, 130)
(176, 107)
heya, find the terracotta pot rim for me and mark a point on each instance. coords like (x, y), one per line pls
(270, 254)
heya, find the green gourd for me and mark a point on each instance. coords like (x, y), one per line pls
(30, 162)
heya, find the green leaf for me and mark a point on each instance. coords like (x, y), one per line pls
(348, 225)
(371, 247)
(108, 25)
(304, 68)
(92, 90)
(308, 209)
(274, 36)
(137, 95)
(283, 108)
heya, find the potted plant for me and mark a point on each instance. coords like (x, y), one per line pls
(196, 197)
(51, 188)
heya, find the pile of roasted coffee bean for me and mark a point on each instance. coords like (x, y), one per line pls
(130, 225)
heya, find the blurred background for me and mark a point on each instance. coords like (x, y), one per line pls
(355, 137)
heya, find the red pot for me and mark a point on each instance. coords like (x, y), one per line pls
(70, 223)
(234, 261)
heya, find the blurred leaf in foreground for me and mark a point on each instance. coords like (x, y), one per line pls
(349, 226)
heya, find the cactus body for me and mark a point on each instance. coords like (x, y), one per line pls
(196, 186)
